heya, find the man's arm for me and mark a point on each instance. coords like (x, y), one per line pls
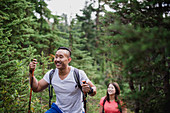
(37, 86)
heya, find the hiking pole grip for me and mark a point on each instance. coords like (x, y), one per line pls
(84, 82)
(84, 96)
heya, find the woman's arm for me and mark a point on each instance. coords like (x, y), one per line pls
(124, 110)
(101, 109)
(123, 106)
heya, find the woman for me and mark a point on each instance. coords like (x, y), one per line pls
(110, 102)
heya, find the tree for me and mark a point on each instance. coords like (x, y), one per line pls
(88, 27)
(80, 58)
(15, 32)
(47, 37)
(139, 44)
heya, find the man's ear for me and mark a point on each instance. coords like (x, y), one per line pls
(69, 59)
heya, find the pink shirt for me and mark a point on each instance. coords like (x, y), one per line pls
(111, 107)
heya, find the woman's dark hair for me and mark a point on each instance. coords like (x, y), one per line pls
(116, 94)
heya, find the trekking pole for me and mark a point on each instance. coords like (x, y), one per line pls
(29, 109)
(84, 97)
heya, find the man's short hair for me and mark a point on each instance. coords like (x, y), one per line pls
(65, 48)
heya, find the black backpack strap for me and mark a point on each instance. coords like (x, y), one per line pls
(50, 87)
(77, 79)
(103, 105)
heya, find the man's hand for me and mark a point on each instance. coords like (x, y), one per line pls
(32, 65)
(89, 88)
(85, 87)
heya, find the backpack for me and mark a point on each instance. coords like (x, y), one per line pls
(120, 109)
(77, 79)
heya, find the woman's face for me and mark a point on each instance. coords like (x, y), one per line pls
(111, 89)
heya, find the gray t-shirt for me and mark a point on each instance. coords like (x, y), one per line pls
(68, 94)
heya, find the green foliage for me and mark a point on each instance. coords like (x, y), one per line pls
(80, 57)
(143, 63)
(139, 47)
(129, 46)
(88, 27)
(15, 31)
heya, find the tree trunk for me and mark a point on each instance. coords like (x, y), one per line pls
(131, 85)
(166, 83)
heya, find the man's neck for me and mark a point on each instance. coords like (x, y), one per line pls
(65, 71)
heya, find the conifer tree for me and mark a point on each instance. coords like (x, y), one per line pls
(14, 41)
(88, 27)
(92, 30)
(47, 37)
(139, 42)
(81, 57)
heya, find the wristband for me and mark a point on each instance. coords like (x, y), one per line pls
(91, 90)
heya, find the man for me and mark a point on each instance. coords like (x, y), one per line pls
(68, 94)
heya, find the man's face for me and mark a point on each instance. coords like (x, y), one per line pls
(111, 89)
(62, 59)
